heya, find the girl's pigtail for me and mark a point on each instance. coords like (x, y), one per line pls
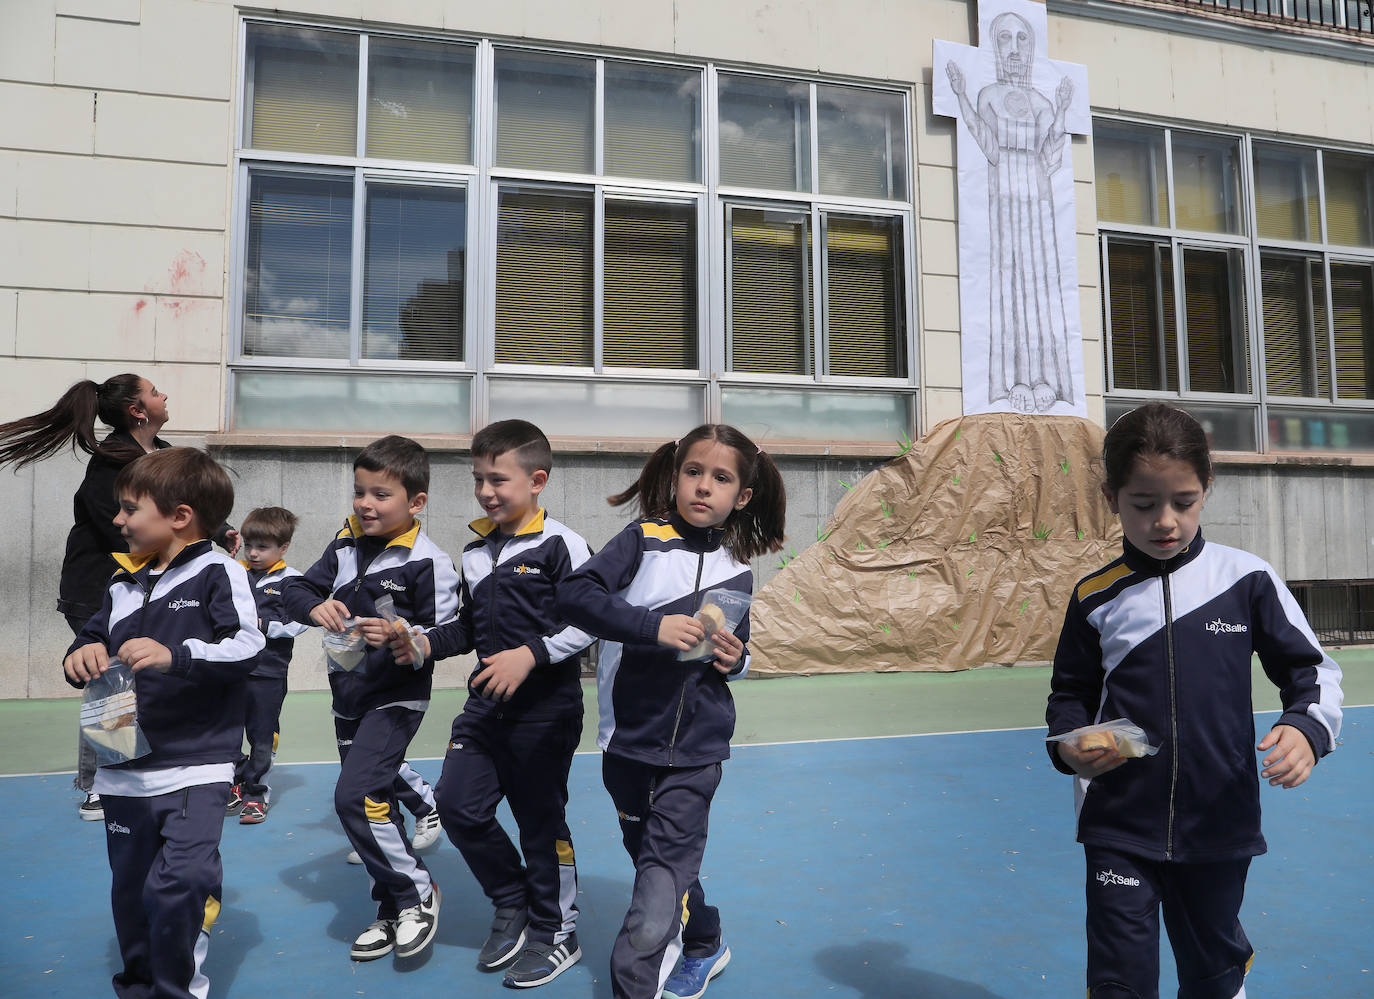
(654, 488)
(760, 527)
(70, 420)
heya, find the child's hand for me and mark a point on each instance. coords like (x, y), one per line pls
(142, 653)
(680, 631)
(1091, 762)
(504, 673)
(86, 663)
(400, 643)
(729, 650)
(1292, 760)
(331, 614)
(376, 631)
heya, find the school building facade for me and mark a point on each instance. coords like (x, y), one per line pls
(318, 222)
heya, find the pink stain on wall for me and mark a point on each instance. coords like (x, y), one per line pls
(139, 306)
(186, 267)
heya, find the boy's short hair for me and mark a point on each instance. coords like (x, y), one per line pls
(526, 441)
(274, 524)
(400, 457)
(176, 475)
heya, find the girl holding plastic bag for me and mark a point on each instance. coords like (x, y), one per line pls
(709, 502)
(1159, 642)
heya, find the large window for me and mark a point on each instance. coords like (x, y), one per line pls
(519, 227)
(1239, 269)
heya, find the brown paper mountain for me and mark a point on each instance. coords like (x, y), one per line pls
(960, 553)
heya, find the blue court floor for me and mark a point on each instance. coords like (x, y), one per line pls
(922, 867)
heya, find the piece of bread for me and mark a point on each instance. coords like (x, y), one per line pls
(712, 618)
(1096, 740)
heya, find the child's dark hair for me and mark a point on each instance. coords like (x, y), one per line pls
(273, 524)
(1154, 429)
(755, 530)
(400, 457)
(520, 437)
(72, 420)
(178, 475)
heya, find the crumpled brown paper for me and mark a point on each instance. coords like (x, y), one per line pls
(960, 553)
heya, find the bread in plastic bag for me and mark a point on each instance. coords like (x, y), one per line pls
(386, 610)
(721, 610)
(344, 649)
(109, 717)
(1127, 738)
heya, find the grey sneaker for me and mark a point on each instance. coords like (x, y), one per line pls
(542, 962)
(91, 809)
(505, 940)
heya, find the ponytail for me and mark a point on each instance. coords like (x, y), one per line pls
(757, 529)
(71, 420)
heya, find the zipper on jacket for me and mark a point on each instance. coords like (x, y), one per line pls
(682, 694)
(1173, 711)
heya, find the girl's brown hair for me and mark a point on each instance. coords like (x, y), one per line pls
(72, 420)
(1154, 429)
(756, 529)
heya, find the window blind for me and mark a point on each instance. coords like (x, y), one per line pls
(653, 122)
(544, 278)
(305, 91)
(544, 112)
(1352, 314)
(1286, 196)
(1218, 347)
(1131, 182)
(865, 311)
(770, 292)
(1144, 349)
(419, 101)
(860, 144)
(765, 133)
(413, 277)
(649, 295)
(298, 266)
(1296, 359)
(1206, 183)
(1348, 181)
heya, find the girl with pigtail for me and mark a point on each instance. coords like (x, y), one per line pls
(135, 411)
(708, 503)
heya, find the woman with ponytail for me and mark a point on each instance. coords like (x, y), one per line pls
(136, 411)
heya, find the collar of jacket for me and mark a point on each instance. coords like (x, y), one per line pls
(699, 539)
(353, 528)
(1144, 564)
(483, 526)
(131, 565)
(280, 564)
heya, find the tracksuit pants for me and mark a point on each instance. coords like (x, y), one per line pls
(262, 722)
(371, 749)
(526, 761)
(165, 888)
(413, 791)
(1201, 905)
(663, 820)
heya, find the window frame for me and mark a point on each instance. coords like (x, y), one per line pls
(482, 182)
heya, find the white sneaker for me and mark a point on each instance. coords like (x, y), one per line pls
(378, 940)
(427, 830)
(416, 926)
(353, 857)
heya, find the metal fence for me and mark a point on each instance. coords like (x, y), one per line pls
(1341, 611)
(1355, 16)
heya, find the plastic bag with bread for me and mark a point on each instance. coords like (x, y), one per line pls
(1120, 734)
(386, 610)
(109, 717)
(720, 610)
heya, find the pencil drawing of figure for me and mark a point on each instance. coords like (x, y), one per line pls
(1022, 134)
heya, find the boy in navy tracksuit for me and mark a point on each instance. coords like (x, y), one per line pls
(517, 733)
(266, 534)
(182, 618)
(379, 704)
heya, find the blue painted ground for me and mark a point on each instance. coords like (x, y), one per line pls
(935, 867)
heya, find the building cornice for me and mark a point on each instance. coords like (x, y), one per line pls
(1203, 22)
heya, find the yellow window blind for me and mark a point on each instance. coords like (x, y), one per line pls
(1348, 196)
(419, 101)
(653, 122)
(1144, 343)
(1296, 361)
(1131, 180)
(1352, 314)
(865, 317)
(1286, 196)
(765, 133)
(1218, 348)
(304, 90)
(649, 295)
(544, 278)
(1206, 183)
(770, 292)
(544, 112)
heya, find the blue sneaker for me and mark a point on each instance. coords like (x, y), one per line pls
(695, 973)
